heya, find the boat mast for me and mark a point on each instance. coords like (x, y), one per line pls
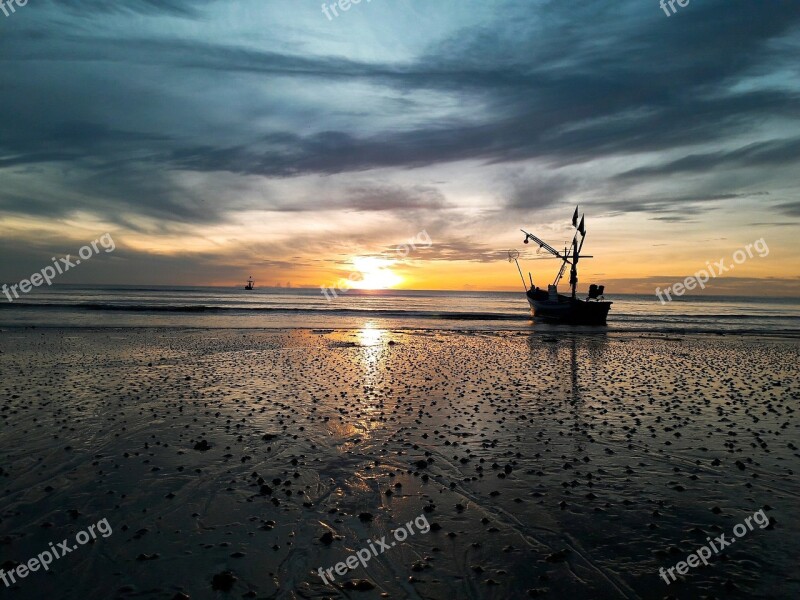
(576, 250)
(573, 272)
(566, 257)
(513, 255)
(550, 249)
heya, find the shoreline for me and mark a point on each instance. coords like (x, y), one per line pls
(551, 331)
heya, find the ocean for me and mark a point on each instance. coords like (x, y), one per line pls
(282, 308)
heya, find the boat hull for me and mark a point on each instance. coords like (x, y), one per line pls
(568, 310)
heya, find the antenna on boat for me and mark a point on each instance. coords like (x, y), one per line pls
(513, 255)
(576, 250)
(560, 307)
(568, 257)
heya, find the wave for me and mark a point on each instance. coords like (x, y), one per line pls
(380, 312)
(176, 308)
(640, 321)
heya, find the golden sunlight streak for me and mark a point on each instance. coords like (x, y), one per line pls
(375, 274)
(370, 336)
(371, 342)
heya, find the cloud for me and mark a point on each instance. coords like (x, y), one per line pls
(666, 208)
(163, 115)
(774, 152)
(550, 98)
(386, 197)
(790, 208)
(540, 191)
(185, 8)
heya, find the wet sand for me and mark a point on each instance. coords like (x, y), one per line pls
(548, 467)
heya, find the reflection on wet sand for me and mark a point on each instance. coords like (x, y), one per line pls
(573, 466)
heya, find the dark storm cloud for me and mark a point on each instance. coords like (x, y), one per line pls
(565, 97)
(88, 7)
(568, 85)
(774, 152)
(117, 194)
(385, 197)
(539, 192)
(790, 208)
(370, 197)
(684, 205)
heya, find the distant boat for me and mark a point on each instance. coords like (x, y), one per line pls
(250, 283)
(552, 306)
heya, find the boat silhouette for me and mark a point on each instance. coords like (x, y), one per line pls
(549, 304)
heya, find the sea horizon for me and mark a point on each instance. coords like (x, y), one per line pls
(304, 308)
(356, 291)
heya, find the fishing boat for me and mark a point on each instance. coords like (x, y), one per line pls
(548, 304)
(250, 283)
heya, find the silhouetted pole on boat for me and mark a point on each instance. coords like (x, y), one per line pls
(513, 255)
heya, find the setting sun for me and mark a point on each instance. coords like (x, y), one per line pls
(375, 274)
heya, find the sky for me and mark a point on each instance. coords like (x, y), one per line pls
(218, 139)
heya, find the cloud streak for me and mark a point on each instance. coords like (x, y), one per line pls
(161, 115)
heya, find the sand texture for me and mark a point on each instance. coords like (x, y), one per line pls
(553, 467)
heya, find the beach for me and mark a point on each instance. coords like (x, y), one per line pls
(399, 300)
(242, 462)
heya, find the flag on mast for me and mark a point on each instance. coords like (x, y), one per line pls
(575, 218)
(581, 228)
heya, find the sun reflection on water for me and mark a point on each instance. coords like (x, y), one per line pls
(371, 340)
(373, 346)
(370, 336)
